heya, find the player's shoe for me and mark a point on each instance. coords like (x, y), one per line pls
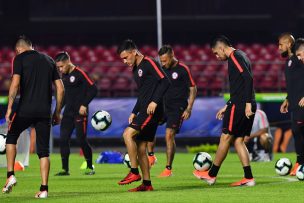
(244, 182)
(89, 171)
(203, 175)
(131, 177)
(165, 173)
(42, 194)
(294, 169)
(142, 188)
(152, 160)
(10, 182)
(62, 173)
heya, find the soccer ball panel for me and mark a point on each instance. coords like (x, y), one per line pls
(202, 161)
(101, 120)
(127, 161)
(283, 166)
(2, 143)
(300, 172)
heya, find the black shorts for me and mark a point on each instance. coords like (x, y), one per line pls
(146, 124)
(235, 121)
(173, 115)
(42, 127)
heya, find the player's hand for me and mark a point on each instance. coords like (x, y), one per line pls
(56, 118)
(83, 110)
(186, 115)
(248, 111)
(220, 113)
(151, 108)
(246, 139)
(284, 106)
(301, 102)
(8, 116)
(131, 118)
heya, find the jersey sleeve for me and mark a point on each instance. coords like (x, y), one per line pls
(55, 73)
(16, 66)
(155, 69)
(90, 87)
(263, 121)
(243, 68)
(189, 79)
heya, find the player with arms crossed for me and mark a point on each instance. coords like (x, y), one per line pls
(238, 113)
(143, 121)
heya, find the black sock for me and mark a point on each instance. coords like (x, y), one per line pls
(135, 171)
(247, 172)
(147, 182)
(89, 163)
(65, 163)
(44, 188)
(169, 167)
(214, 170)
(300, 159)
(9, 173)
(150, 153)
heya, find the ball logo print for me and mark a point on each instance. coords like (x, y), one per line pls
(72, 79)
(175, 75)
(202, 161)
(101, 120)
(283, 166)
(140, 73)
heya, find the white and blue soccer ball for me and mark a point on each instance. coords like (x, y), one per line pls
(202, 161)
(300, 172)
(127, 161)
(101, 120)
(2, 143)
(283, 166)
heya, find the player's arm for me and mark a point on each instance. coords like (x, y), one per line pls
(13, 91)
(59, 101)
(134, 112)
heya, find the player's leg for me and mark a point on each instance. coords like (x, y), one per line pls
(266, 141)
(81, 134)
(130, 142)
(66, 129)
(298, 133)
(151, 156)
(17, 126)
(42, 127)
(277, 138)
(286, 137)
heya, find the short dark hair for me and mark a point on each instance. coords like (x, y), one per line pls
(222, 39)
(166, 49)
(62, 56)
(127, 44)
(22, 39)
(298, 43)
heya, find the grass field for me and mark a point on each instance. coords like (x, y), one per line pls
(182, 187)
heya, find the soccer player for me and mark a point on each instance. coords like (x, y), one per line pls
(259, 142)
(237, 114)
(33, 73)
(143, 121)
(294, 73)
(79, 92)
(177, 106)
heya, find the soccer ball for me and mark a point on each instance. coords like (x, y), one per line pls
(202, 161)
(283, 166)
(2, 143)
(300, 172)
(127, 161)
(101, 120)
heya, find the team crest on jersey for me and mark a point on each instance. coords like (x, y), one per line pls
(174, 75)
(140, 73)
(289, 63)
(72, 78)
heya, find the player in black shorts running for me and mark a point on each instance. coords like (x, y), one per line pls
(79, 92)
(294, 73)
(177, 106)
(238, 113)
(33, 73)
(152, 85)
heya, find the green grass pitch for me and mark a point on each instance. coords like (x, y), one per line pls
(181, 187)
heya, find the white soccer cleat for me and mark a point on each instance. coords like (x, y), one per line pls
(10, 182)
(41, 194)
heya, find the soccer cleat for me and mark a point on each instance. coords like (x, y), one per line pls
(244, 182)
(294, 170)
(142, 188)
(203, 175)
(41, 194)
(152, 160)
(10, 182)
(131, 177)
(165, 173)
(62, 173)
(89, 171)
